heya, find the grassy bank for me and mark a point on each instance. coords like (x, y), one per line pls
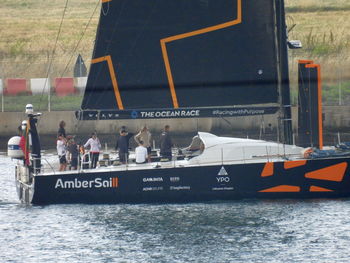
(323, 26)
(28, 34)
(41, 102)
(29, 30)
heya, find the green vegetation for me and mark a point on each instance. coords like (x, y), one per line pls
(17, 103)
(29, 30)
(323, 27)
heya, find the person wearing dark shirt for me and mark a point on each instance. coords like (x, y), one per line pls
(61, 129)
(73, 150)
(166, 143)
(123, 145)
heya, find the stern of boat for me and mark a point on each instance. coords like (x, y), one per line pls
(24, 184)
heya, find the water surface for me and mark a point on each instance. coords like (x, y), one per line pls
(237, 231)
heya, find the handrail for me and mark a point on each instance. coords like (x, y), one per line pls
(42, 159)
(82, 162)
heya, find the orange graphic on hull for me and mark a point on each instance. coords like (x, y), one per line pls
(268, 170)
(319, 189)
(293, 164)
(332, 173)
(282, 189)
(115, 182)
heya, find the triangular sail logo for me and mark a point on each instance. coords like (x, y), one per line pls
(222, 171)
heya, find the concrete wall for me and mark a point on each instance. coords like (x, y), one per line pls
(48, 124)
(337, 118)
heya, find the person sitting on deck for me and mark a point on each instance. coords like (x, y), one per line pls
(141, 153)
(145, 136)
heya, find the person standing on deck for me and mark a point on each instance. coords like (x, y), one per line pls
(145, 136)
(166, 143)
(61, 151)
(61, 129)
(73, 154)
(95, 147)
(123, 145)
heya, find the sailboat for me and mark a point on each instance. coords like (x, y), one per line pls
(164, 59)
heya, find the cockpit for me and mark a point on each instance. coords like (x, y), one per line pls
(196, 148)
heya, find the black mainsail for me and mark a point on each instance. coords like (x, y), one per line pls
(187, 54)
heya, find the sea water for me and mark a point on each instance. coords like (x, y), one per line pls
(237, 231)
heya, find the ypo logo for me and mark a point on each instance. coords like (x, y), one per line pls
(223, 179)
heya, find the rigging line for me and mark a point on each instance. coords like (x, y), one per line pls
(228, 122)
(77, 45)
(81, 38)
(54, 51)
(110, 42)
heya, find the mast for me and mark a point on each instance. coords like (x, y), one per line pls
(284, 86)
(287, 120)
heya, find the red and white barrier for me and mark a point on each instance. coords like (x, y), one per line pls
(80, 84)
(16, 86)
(64, 87)
(40, 86)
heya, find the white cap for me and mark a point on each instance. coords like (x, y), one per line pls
(29, 109)
(24, 125)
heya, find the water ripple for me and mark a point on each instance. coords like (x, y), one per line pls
(240, 231)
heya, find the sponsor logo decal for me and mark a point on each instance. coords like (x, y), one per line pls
(222, 188)
(158, 188)
(134, 114)
(238, 112)
(152, 179)
(169, 113)
(79, 183)
(222, 171)
(223, 179)
(174, 179)
(177, 188)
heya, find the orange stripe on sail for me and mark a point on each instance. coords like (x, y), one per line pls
(112, 74)
(164, 41)
(332, 173)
